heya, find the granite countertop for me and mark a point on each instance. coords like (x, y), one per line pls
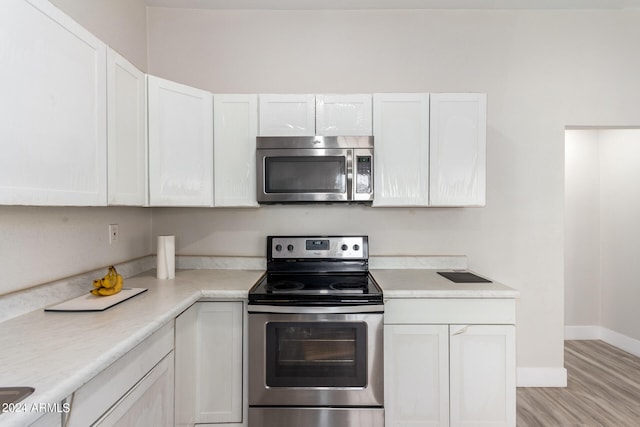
(57, 353)
(427, 283)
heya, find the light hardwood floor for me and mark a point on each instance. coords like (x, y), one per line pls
(603, 390)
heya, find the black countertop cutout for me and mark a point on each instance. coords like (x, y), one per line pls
(463, 277)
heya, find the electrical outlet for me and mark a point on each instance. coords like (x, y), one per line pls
(114, 236)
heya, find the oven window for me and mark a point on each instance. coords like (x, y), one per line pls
(316, 354)
(305, 174)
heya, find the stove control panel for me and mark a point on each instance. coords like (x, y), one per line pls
(319, 247)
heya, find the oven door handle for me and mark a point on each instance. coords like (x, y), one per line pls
(351, 309)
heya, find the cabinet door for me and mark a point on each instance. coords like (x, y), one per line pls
(53, 108)
(186, 369)
(127, 135)
(148, 403)
(401, 131)
(115, 382)
(416, 375)
(235, 127)
(180, 144)
(482, 364)
(209, 364)
(51, 419)
(458, 149)
(343, 115)
(287, 115)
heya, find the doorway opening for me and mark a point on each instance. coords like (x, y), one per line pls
(602, 235)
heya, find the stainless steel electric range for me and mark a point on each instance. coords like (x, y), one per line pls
(315, 336)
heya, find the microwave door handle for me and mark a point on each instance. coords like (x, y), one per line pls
(350, 187)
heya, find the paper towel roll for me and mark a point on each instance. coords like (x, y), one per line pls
(166, 257)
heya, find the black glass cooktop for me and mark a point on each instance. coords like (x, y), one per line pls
(316, 289)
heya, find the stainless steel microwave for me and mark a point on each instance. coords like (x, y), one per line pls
(314, 169)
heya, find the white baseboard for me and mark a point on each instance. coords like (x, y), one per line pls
(623, 342)
(616, 339)
(557, 377)
(590, 332)
(541, 377)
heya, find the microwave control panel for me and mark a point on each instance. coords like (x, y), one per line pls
(363, 174)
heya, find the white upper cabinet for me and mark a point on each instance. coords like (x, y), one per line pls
(401, 132)
(235, 127)
(53, 108)
(287, 115)
(180, 144)
(127, 132)
(458, 149)
(343, 115)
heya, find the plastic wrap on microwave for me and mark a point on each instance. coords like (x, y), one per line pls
(287, 115)
(344, 115)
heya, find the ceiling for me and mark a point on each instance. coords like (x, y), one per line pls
(395, 4)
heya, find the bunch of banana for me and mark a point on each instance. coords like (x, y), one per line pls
(110, 284)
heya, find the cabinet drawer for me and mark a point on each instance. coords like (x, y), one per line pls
(150, 401)
(497, 311)
(98, 395)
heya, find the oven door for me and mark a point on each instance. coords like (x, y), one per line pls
(315, 359)
(304, 175)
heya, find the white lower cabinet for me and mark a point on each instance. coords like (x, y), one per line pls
(148, 403)
(136, 390)
(51, 419)
(416, 375)
(446, 374)
(209, 364)
(482, 375)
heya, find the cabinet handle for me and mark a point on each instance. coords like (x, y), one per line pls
(351, 189)
(461, 331)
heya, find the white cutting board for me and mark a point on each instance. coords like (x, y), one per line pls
(90, 302)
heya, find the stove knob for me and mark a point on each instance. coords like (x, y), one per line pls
(356, 247)
(344, 247)
(278, 247)
(290, 248)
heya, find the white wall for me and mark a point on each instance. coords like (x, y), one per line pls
(582, 228)
(602, 230)
(39, 244)
(122, 24)
(542, 70)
